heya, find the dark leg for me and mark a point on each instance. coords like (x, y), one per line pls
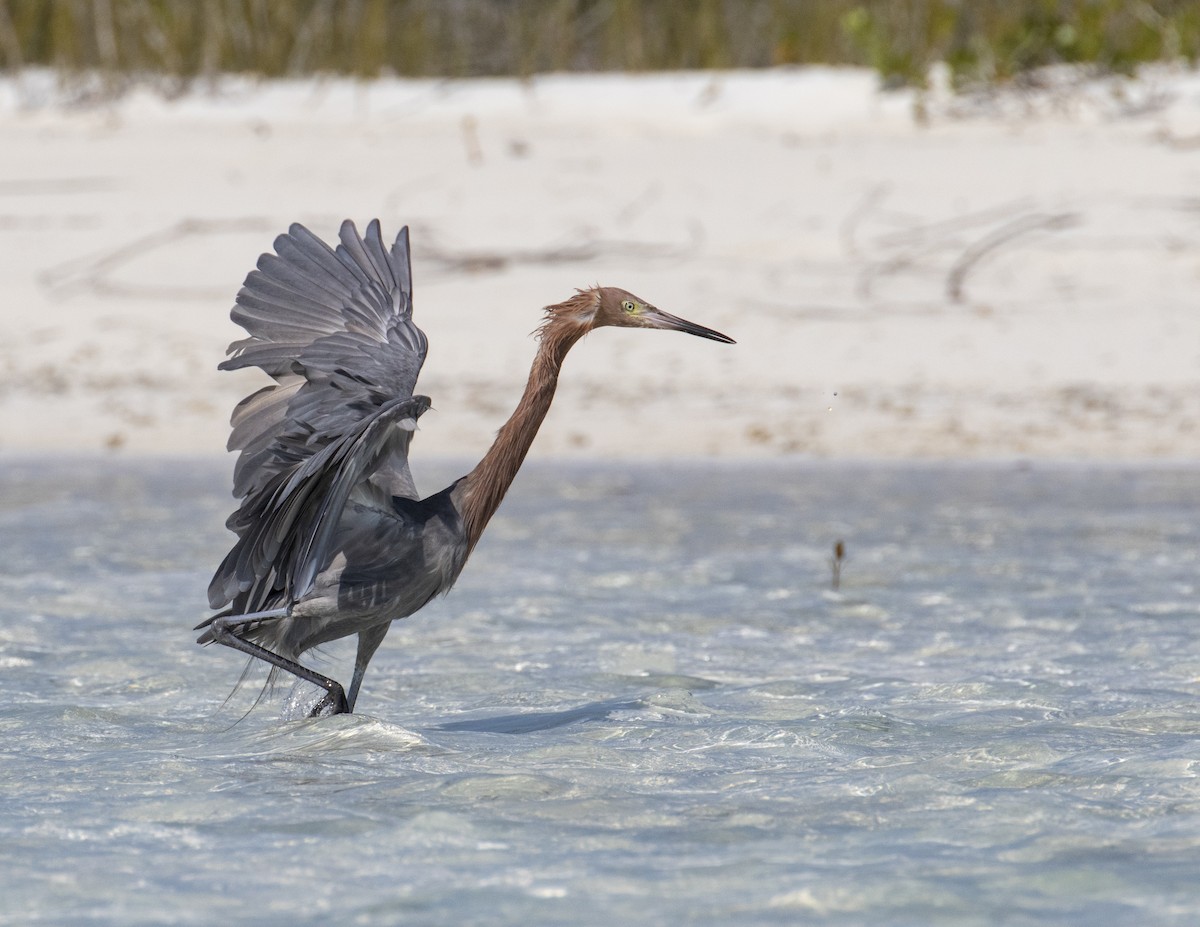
(221, 632)
(368, 642)
(242, 622)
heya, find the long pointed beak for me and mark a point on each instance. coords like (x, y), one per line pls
(659, 319)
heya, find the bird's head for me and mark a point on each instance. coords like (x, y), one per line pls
(610, 305)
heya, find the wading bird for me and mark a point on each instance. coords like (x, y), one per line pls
(332, 538)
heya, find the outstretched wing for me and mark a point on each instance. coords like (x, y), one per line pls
(334, 329)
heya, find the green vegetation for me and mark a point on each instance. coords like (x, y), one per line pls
(980, 40)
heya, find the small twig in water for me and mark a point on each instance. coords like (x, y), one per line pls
(839, 556)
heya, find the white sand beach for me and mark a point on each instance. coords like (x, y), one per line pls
(1016, 276)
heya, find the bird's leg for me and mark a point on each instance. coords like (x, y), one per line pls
(250, 619)
(368, 642)
(335, 699)
(222, 631)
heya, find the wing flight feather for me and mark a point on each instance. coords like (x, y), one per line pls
(334, 329)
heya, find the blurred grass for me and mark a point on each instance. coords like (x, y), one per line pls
(982, 41)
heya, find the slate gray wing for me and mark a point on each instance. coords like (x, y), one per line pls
(334, 329)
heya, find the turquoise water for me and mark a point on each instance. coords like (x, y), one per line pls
(642, 704)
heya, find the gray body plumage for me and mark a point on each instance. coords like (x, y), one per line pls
(330, 527)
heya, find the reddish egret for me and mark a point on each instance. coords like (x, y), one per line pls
(333, 538)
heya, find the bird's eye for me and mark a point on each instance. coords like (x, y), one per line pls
(628, 305)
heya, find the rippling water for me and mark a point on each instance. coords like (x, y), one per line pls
(642, 704)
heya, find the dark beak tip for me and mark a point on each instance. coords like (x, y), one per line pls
(715, 336)
(701, 332)
(666, 320)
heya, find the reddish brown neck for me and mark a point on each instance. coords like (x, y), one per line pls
(484, 487)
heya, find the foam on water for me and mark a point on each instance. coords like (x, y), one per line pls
(642, 704)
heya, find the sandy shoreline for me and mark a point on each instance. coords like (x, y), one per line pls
(1017, 277)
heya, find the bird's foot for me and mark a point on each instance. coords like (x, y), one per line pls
(333, 702)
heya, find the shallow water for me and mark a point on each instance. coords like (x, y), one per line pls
(642, 704)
